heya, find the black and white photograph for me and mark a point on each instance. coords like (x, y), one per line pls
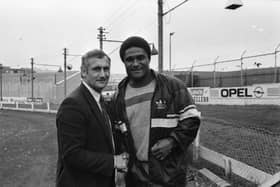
(140, 93)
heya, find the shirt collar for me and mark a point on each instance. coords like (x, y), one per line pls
(94, 93)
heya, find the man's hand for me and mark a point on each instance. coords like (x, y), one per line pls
(120, 162)
(162, 148)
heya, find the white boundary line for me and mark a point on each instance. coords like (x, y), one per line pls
(214, 178)
(32, 109)
(272, 181)
(243, 170)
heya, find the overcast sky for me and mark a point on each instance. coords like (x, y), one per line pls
(203, 30)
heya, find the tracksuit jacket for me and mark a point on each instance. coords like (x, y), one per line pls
(173, 114)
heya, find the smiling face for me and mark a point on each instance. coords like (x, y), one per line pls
(96, 72)
(137, 63)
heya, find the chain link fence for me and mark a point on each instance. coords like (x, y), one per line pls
(241, 71)
(250, 134)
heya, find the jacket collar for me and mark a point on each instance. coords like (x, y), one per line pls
(94, 93)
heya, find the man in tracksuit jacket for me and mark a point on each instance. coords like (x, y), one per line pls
(160, 117)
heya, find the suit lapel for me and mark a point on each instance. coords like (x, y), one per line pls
(98, 114)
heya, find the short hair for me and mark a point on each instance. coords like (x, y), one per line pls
(135, 41)
(95, 53)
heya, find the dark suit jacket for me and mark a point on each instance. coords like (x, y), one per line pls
(85, 150)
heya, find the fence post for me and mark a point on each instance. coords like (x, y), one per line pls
(227, 167)
(192, 81)
(32, 106)
(275, 63)
(241, 67)
(48, 106)
(214, 72)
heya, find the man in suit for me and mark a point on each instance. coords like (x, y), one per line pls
(86, 151)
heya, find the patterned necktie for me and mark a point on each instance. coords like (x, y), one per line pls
(105, 115)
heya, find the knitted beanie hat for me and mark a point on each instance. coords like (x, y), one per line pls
(135, 41)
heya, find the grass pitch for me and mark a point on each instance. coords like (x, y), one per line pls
(249, 134)
(29, 149)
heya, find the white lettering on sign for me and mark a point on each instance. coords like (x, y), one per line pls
(197, 92)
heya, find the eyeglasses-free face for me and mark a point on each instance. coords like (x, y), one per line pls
(131, 59)
(97, 74)
(137, 63)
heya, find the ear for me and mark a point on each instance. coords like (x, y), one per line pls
(83, 72)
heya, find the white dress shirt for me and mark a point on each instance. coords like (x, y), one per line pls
(94, 94)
